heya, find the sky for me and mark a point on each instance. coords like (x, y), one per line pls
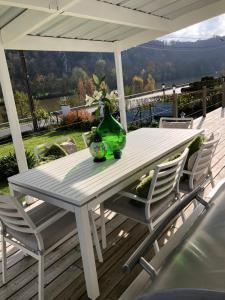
(203, 30)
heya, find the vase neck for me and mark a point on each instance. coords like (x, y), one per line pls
(106, 111)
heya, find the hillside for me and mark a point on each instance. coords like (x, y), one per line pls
(59, 73)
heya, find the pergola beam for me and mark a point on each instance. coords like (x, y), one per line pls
(95, 10)
(41, 5)
(31, 20)
(140, 38)
(120, 87)
(102, 11)
(37, 43)
(24, 24)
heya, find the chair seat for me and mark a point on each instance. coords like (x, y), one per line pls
(126, 207)
(52, 234)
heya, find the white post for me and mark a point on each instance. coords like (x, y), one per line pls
(11, 111)
(120, 87)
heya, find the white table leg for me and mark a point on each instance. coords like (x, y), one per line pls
(87, 252)
(28, 199)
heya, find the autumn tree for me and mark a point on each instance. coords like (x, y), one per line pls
(89, 86)
(150, 85)
(81, 90)
(137, 84)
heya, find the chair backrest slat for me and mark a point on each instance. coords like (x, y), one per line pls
(13, 215)
(21, 228)
(165, 178)
(204, 157)
(162, 189)
(182, 123)
(9, 212)
(163, 195)
(168, 171)
(6, 206)
(13, 220)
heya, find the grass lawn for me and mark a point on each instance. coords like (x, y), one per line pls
(4, 188)
(32, 141)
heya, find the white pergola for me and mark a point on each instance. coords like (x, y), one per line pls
(88, 25)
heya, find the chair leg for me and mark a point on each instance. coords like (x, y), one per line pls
(155, 245)
(95, 237)
(191, 186)
(182, 212)
(41, 269)
(211, 178)
(103, 231)
(4, 258)
(191, 183)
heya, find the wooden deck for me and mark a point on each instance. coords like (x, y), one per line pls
(63, 267)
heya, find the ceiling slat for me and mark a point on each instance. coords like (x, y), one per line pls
(152, 7)
(7, 14)
(174, 6)
(190, 6)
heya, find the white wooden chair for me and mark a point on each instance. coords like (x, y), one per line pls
(163, 191)
(40, 149)
(199, 164)
(182, 123)
(36, 232)
(86, 138)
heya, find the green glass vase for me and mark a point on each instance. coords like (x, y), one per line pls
(112, 133)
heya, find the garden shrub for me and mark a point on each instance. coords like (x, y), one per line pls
(47, 159)
(9, 167)
(73, 117)
(56, 151)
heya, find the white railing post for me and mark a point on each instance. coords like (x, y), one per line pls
(120, 87)
(11, 111)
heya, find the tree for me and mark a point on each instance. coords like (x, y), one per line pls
(137, 83)
(28, 89)
(100, 67)
(21, 100)
(150, 85)
(81, 90)
(89, 86)
(78, 74)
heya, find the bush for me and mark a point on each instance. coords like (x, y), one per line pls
(81, 120)
(56, 151)
(74, 117)
(47, 159)
(9, 167)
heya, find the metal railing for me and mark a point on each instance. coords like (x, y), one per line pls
(190, 104)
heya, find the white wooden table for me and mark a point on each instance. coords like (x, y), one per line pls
(78, 184)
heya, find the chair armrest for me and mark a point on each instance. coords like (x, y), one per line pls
(186, 172)
(50, 221)
(132, 196)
